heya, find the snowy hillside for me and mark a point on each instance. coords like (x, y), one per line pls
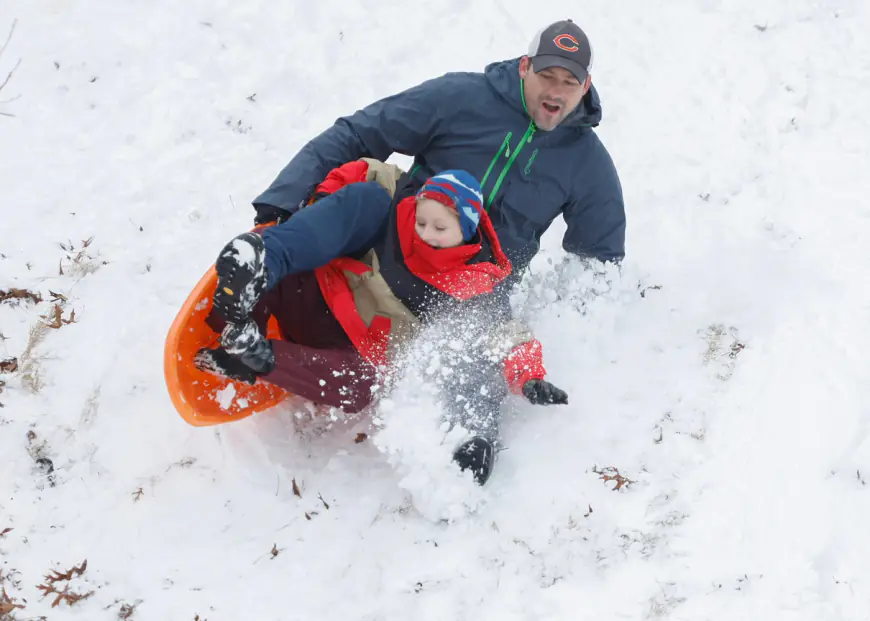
(724, 375)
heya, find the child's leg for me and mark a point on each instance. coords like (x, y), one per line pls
(303, 315)
(472, 396)
(335, 377)
(317, 361)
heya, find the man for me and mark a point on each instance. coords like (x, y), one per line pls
(523, 127)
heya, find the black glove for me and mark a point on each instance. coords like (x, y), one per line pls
(222, 363)
(252, 348)
(542, 392)
(268, 213)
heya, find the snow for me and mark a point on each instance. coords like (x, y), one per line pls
(225, 396)
(733, 393)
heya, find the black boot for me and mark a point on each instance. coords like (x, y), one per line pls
(478, 455)
(242, 278)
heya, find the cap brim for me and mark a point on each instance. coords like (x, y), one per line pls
(545, 61)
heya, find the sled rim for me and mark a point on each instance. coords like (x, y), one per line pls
(179, 370)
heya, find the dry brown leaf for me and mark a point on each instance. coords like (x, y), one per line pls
(10, 365)
(67, 575)
(275, 551)
(62, 596)
(56, 319)
(20, 294)
(360, 437)
(296, 491)
(7, 607)
(612, 474)
(6, 530)
(7, 604)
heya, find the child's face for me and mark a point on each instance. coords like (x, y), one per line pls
(437, 224)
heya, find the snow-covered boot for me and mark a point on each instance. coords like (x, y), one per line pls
(242, 277)
(477, 455)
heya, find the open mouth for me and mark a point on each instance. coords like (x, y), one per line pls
(551, 108)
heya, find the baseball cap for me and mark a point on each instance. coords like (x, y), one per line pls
(562, 44)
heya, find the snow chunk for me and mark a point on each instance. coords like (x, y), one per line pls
(225, 396)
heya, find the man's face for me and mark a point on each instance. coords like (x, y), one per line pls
(552, 94)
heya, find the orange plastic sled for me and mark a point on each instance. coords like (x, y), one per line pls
(202, 398)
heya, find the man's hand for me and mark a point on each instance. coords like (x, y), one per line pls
(268, 213)
(542, 392)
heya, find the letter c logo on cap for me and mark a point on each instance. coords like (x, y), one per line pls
(567, 42)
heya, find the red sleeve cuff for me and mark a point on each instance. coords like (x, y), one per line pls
(525, 362)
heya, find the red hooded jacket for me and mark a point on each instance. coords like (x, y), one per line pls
(448, 270)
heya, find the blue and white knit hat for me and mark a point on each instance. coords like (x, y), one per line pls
(460, 190)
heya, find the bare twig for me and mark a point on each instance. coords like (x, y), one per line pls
(9, 38)
(10, 100)
(11, 73)
(9, 77)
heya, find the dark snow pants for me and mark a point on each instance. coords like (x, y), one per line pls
(473, 393)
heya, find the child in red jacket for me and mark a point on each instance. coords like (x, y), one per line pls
(351, 278)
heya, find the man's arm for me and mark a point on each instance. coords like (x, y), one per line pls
(402, 123)
(596, 217)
